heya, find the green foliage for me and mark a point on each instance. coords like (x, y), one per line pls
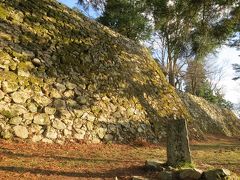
(236, 68)
(185, 165)
(127, 18)
(97, 4)
(223, 102)
(191, 29)
(199, 24)
(195, 77)
(7, 113)
(207, 93)
(197, 84)
(186, 28)
(235, 41)
(216, 98)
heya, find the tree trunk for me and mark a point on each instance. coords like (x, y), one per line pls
(171, 78)
(171, 74)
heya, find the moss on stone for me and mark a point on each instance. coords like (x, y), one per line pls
(4, 56)
(7, 113)
(24, 39)
(96, 110)
(36, 81)
(25, 66)
(8, 75)
(3, 12)
(18, 55)
(5, 36)
(23, 81)
(185, 165)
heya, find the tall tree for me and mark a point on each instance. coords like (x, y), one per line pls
(192, 29)
(195, 77)
(127, 17)
(187, 28)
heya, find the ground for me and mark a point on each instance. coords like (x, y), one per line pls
(25, 160)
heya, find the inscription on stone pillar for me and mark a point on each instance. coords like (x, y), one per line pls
(178, 151)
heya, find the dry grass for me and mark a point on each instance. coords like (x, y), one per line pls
(21, 160)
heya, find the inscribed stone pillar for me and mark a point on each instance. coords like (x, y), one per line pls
(178, 151)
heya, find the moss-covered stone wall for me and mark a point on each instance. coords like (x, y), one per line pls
(66, 77)
(211, 119)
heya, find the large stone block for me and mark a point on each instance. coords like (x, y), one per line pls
(21, 132)
(216, 174)
(178, 151)
(20, 96)
(154, 165)
(41, 119)
(58, 124)
(190, 173)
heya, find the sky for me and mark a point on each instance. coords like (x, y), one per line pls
(226, 56)
(73, 3)
(70, 3)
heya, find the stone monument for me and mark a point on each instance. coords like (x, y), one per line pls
(178, 151)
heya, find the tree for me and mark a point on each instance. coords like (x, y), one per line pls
(236, 68)
(188, 29)
(127, 18)
(237, 109)
(222, 102)
(195, 77)
(173, 30)
(96, 4)
(214, 97)
(191, 29)
(198, 83)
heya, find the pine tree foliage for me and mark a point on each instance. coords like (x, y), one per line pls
(97, 4)
(192, 29)
(236, 67)
(127, 17)
(214, 97)
(197, 83)
(195, 77)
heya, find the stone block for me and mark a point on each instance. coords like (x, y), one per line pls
(178, 151)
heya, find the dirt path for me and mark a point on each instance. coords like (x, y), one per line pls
(21, 160)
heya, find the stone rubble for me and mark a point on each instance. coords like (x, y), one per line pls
(166, 172)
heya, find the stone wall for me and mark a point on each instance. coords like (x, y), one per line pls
(66, 77)
(63, 76)
(211, 119)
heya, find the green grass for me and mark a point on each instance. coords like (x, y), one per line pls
(186, 165)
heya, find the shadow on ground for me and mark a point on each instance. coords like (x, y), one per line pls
(11, 154)
(136, 170)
